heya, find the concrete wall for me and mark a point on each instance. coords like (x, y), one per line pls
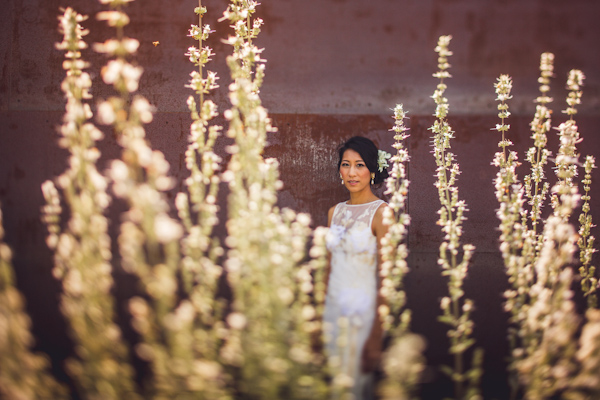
(335, 69)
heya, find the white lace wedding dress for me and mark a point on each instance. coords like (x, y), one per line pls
(351, 291)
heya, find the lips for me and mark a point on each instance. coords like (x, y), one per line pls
(352, 183)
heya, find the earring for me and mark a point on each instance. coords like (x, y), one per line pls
(372, 177)
(342, 179)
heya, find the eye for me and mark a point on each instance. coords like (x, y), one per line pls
(360, 165)
(345, 164)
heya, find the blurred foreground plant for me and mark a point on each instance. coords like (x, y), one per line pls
(456, 309)
(24, 375)
(149, 236)
(272, 315)
(201, 250)
(551, 324)
(82, 254)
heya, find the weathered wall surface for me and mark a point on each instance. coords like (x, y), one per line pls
(335, 69)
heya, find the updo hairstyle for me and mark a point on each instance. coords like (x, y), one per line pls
(368, 152)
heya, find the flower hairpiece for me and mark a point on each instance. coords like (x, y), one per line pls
(382, 159)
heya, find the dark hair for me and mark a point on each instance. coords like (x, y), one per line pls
(368, 152)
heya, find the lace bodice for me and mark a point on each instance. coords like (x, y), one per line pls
(353, 247)
(350, 229)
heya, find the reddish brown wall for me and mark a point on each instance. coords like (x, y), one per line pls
(335, 69)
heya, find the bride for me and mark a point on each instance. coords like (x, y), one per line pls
(353, 333)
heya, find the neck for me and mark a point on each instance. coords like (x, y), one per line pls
(362, 197)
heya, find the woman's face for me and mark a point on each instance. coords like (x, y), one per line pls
(354, 171)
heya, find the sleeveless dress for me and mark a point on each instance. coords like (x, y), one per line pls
(351, 292)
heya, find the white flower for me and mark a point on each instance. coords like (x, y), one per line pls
(131, 76)
(130, 45)
(114, 18)
(382, 160)
(167, 229)
(109, 47)
(118, 69)
(106, 113)
(111, 72)
(285, 294)
(143, 109)
(237, 320)
(445, 303)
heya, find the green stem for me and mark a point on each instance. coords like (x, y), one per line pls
(458, 361)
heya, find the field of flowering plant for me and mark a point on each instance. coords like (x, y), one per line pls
(263, 338)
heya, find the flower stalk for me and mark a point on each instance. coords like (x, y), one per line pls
(149, 239)
(82, 250)
(456, 309)
(567, 157)
(198, 210)
(403, 362)
(549, 363)
(272, 320)
(549, 360)
(200, 248)
(536, 189)
(516, 244)
(394, 249)
(589, 280)
(23, 373)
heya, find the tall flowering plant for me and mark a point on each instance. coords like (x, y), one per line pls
(200, 249)
(197, 209)
(535, 188)
(82, 254)
(567, 157)
(403, 362)
(586, 383)
(23, 373)
(454, 258)
(551, 323)
(393, 247)
(518, 243)
(149, 236)
(272, 317)
(546, 359)
(566, 170)
(589, 280)
(510, 197)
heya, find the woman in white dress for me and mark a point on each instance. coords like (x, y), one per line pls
(353, 330)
